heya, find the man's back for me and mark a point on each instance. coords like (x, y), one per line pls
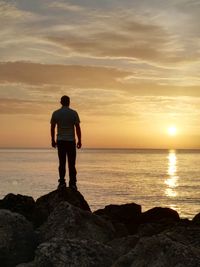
(65, 118)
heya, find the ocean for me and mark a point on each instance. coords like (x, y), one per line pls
(166, 178)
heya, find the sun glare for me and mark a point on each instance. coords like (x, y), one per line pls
(172, 131)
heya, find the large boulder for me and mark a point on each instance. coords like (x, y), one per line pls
(72, 252)
(183, 232)
(196, 219)
(68, 221)
(149, 229)
(123, 245)
(17, 239)
(126, 214)
(160, 251)
(159, 214)
(187, 234)
(47, 203)
(18, 203)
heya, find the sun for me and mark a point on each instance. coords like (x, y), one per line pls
(172, 130)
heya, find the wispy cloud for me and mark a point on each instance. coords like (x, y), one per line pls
(9, 12)
(26, 107)
(43, 77)
(129, 39)
(74, 76)
(65, 6)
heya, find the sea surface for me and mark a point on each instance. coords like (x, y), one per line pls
(167, 178)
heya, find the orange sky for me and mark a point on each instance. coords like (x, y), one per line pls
(131, 69)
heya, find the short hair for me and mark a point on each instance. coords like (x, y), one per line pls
(65, 100)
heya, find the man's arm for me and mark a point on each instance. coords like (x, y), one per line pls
(78, 133)
(53, 142)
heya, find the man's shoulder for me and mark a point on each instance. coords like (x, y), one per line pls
(75, 116)
(57, 111)
(73, 110)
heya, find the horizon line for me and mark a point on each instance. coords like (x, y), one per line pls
(107, 148)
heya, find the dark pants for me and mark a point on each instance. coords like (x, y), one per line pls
(67, 149)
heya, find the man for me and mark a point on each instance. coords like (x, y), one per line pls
(67, 121)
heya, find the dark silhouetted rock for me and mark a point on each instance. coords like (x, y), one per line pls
(17, 239)
(160, 251)
(46, 204)
(123, 245)
(149, 229)
(196, 219)
(69, 234)
(74, 253)
(185, 234)
(126, 214)
(18, 203)
(68, 221)
(159, 214)
(28, 264)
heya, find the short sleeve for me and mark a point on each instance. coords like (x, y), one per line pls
(53, 119)
(77, 119)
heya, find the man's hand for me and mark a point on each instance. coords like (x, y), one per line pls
(79, 145)
(78, 132)
(53, 143)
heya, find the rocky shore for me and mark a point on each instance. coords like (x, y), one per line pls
(59, 230)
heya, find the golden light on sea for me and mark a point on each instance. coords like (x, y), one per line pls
(172, 181)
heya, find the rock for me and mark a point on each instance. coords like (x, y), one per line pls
(157, 220)
(127, 214)
(160, 251)
(68, 221)
(186, 234)
(196, 219)
(18, 203)
(123, 245)
(72, 252)
(28, 264)
(158, 214)
(149, 229)
(46, 204)
(17, 239)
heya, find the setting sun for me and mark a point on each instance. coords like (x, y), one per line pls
(172, 130)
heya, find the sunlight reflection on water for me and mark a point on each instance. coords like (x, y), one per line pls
(172, 181)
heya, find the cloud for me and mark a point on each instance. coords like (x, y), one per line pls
(122, 36)
(65, 6)
(17, 106)
(129, 39)
(9, 13)
(43, 78)
(146, 55)
(74, 76)
(62, 30)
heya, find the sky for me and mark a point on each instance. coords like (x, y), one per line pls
(131, 69)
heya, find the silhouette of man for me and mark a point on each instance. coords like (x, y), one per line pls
(67, 121)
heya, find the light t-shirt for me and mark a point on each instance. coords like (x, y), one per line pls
(65, 118)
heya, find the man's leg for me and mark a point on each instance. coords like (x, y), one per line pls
(71, 154)
(62, 160)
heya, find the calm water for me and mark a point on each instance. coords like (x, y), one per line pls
(147, 177)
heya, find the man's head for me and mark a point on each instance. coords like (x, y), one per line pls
(65, 100)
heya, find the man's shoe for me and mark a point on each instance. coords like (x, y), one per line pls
(73, 187)
(61, 184)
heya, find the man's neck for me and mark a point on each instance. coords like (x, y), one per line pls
(65, 106)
